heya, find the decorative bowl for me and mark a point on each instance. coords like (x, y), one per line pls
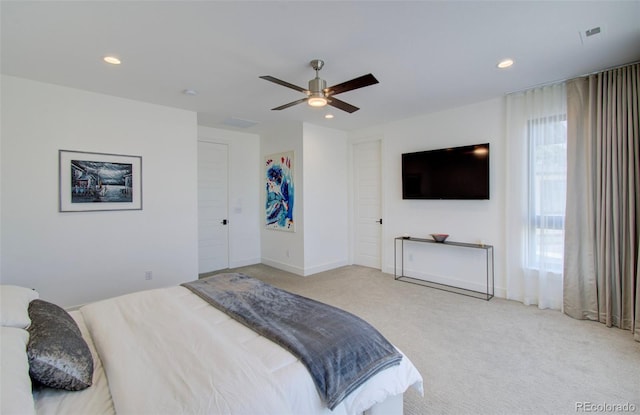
(439, 237)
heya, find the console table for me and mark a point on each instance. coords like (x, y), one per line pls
(486, 295)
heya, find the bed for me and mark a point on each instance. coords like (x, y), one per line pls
(170, 351)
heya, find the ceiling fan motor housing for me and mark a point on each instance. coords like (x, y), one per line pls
(317, 85)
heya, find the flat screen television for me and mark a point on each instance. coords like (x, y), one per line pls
(447, 173)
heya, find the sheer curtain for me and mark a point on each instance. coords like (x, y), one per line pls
(602, 267)
(536, 191)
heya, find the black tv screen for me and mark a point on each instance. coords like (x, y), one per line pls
(447, 173)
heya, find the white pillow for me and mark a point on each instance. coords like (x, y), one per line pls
(14, 305)
(15, 394)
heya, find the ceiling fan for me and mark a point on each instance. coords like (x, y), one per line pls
(318, 95)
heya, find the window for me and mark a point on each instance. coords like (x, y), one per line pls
(547, 182)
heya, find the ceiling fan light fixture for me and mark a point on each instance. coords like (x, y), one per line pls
(317, 100)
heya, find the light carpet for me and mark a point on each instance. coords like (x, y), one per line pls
(483, 357)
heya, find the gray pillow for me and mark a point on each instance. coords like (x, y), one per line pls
(58, 355)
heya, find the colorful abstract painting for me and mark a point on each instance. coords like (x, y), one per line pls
(280, 192)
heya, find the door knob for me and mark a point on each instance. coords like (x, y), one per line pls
(224, 221)
(379, 221)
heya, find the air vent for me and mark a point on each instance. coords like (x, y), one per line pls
(239, 122)
(592, 32)
(592, 36)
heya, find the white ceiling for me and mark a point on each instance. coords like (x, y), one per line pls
(427, 55)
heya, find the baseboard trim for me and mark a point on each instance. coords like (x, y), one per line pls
(244, 263)
(284, 267)
(324, 267)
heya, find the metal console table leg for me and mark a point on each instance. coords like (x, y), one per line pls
(487, 295)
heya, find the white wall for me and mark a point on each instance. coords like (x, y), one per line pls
(101, 254)
(464, 220)
(281, 249)
(244, 192)
(74, 258)
(326, 231)
(320, 241)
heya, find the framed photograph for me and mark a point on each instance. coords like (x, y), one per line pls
(280, 192)
(99, 181)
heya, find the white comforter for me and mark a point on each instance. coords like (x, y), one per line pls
(166, 351)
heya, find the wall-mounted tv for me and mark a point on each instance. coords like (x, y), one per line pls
(447, 173)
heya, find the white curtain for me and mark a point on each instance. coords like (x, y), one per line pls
(535, 197)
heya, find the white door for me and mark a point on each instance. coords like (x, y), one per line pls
(368, 219)
(213, 234)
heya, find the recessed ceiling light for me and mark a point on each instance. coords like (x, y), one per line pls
(505, 63)
(328, 116)
(112, 60)
(191, 92)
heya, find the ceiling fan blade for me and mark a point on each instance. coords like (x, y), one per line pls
(360, 82)
(283, 83)
(335, 102)
(291, 104)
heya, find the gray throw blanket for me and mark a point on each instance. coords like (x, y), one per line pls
(340, 350)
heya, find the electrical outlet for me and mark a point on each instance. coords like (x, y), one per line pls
(148, 275)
